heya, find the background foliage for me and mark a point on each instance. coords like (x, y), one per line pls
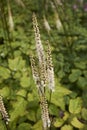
(68, 105)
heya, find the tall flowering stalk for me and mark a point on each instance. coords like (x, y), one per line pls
(40, 52)
(39, 46)
(43, 73)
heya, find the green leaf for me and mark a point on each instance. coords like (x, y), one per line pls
(38, 113)
(84, 113)
(4, 72)
(17, 53)
(37, 126)
(60, 90)
(33, 104)
(85, 127)
(19, 108)
(30, 97)
(16, 64)
(2, 124)
(67, 127)
(74, 75)
(22, 92)
(5, 92)
(76, 123)
(53, 110)
(82, 82)
(66, 116)
(58, 101)
(85, 73)
(75, 105)
(61, 74)
(57, 96)
(58, 122)
(80, 65)
(25, 81)
(32, 115)
(24, 126)
(17, 75)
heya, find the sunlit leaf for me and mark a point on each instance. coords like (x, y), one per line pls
(58, 101)
(25, 81)
(16, 64)
(76, 123)
(5, 92)
(57, 96)
(19, 108)
(60, 90)
(37, 126)
(84, 113)
(75, 105)
(17, 75)
(4, 72)
(22, 92)
(58, 122)
(66, 116)
(67, 127)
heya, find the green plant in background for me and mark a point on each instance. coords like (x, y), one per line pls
(66, 30)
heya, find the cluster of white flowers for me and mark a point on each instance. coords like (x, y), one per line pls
(43, 73)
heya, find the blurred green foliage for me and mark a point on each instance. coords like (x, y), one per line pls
(68, 104)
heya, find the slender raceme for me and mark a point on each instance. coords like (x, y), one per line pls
(3, 111)
(43, 74)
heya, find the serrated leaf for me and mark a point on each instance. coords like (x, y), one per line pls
(80, 65)
(84, 113)
(17, 75)
(16, 64)
(25, 81)
(67, 127)
(66, 115)
(17, 53)
(61, 91)
(75, 105)
(58, 101)
(37, 126)
(4, 72)
(58, 122)
(24, 126)
(22, 92)
(30, 97)
(32, 115)
(74, 75)
(19, 108)
(57, 96)
(76, 123)
(53, 110)
(5, 92)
